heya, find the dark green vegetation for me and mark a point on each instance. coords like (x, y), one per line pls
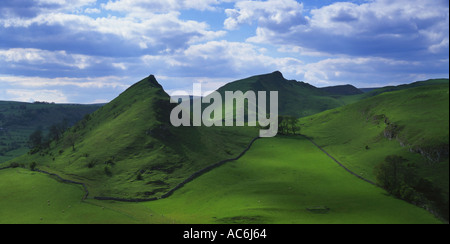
(19, 120)
(295, 98)
(128, 149)
(285, 179)
(344, 90)
(279, 180)
(400, 134)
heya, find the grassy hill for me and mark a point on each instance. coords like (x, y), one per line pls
(19, 120)
(342, 90)
(284, 180)
(376, 91)
(129, 149)
(412, 122)
(370, 92)
(295, 98)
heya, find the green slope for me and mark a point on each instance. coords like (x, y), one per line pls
(19, 120)
(342, 90)
(285, 180)
(429, 82)
(129, 149)
(412, 123)
(294, 98)
(279, 180)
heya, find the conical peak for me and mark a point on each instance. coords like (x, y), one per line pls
(148, 82)
(153, 82)
(277, 74)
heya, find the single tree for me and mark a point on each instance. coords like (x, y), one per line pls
(35, 139)
(292, 123)
(71, 139)
(33, 166)
(54, 133)
(391, 173)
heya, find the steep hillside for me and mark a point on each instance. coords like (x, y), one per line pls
(18, 120)
(129, 149)
(410, 123)
(281, 180)
(296, 98)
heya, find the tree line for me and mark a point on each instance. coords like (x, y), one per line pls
(288, 125)
(56, 132)
(399, 177)
(38, 140)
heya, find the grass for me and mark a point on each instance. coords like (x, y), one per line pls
(412, 123)
(128, 148)
(354, 133)
(19, 120)
(35, 198)
(294, 98)
(281, 180)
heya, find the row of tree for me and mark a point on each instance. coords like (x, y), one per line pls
(288, 125)
(399, 177)
(38, 140)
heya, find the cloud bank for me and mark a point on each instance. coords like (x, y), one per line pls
(70, 50)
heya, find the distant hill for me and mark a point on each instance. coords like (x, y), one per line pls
(128, 148)
(296, 98)
(18, 120)
(373, 91)
(343, 90)
(378, 90)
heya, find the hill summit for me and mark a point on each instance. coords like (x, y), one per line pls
(296, 98)
(129, 149)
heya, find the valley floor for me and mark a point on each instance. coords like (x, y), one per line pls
(281, 180)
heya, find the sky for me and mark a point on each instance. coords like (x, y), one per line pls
(88, 51)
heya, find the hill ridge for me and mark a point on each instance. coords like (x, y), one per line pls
(129, 149)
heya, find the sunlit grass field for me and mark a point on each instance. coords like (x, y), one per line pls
(354, 133)
(280, 180)
(285, 180)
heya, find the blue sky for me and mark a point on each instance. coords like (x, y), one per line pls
(88, 51)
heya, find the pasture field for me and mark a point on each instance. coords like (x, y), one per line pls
(280, 180)
(412, 123)
(28, 197)
(285, 180)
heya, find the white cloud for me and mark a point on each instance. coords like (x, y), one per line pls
(25, 9)
(24, 95)
(141, 8)
(270, 13)
(42, 82)
(381, 17)
(184, 84)
(92, 11)
(34, 56)
(344, 42)
(375, 28)
(71, 3)
(365, 71)
(121, 66)
(157, 31)
(221, 58)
